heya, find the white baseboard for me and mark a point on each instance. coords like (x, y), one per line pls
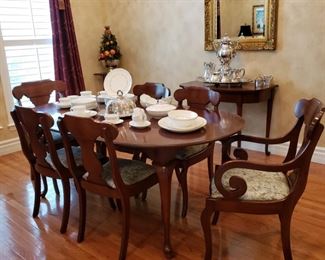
(9, 146)
(318, 157)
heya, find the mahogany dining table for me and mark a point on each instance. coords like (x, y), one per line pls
(161, 146)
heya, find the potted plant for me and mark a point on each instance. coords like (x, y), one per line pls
(109, 51)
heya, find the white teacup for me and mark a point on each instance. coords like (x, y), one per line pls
(79, 109)
(138, 115)
(85, 93)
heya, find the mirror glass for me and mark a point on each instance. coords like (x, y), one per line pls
(253, 22)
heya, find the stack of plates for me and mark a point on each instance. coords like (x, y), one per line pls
(89, 102)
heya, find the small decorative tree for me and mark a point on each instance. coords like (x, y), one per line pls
(109, 52)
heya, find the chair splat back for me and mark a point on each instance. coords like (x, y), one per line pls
(197, 97)
(154, 90)
(38, 92)
(86, 132)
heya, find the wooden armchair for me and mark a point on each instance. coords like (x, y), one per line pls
(254, 188)
(45, 160)
(198, 98)
(118, 178)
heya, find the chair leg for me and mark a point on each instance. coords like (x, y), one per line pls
(66, 205)
(45, 187)
(205, 223)
(56, 187)
(37, 194)
(112, 203)
(136, 156)
(285, 219)
(215, 217)
(210, 170)
(82, 214)
(119, 205)
(182, 179)
(125, 227)
(144, 195)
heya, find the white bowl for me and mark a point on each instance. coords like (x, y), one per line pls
(160, 110)
(182, 118)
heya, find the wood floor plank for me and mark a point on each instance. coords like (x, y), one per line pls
(237, 236)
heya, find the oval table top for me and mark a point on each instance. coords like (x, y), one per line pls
(219, 125)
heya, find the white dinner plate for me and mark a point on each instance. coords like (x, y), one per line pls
(117, 79)
(167, 124)
(87, 113)
(140, 125)
(116, 122)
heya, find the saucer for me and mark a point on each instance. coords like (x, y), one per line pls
(115, 122)
(140, 125)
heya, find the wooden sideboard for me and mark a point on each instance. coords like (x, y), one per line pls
(246, 93)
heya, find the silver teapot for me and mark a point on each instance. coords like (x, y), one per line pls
(225, 50)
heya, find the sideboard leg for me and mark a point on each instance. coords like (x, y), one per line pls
(240, 113)
(268, 120)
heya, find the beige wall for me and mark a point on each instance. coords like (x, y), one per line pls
(162, 40)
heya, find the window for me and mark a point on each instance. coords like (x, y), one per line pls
(26, 42)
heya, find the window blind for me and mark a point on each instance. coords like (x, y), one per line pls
(27, 40)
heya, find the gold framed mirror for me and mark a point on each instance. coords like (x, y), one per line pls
(252, 22)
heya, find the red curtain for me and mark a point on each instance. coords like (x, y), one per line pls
(67, 64)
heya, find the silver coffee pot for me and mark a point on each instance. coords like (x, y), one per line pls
(225, 50)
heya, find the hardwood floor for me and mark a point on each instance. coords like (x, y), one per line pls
(237, 236)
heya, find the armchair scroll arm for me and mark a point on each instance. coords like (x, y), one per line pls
(238, 185)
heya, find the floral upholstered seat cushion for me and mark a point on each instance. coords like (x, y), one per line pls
(189, 151)
(63, 158)
(261, 185)
(132, 171)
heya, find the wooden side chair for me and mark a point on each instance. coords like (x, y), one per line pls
(118, 178)
(154, 90)
(39, 93)
(35, 136)
(198, 99)
(245, 186)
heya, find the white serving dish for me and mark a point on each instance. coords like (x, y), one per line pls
(182, 118)
(159, 110)
(86, 113)
(117, 79)
(167, 124)
(89, 102)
